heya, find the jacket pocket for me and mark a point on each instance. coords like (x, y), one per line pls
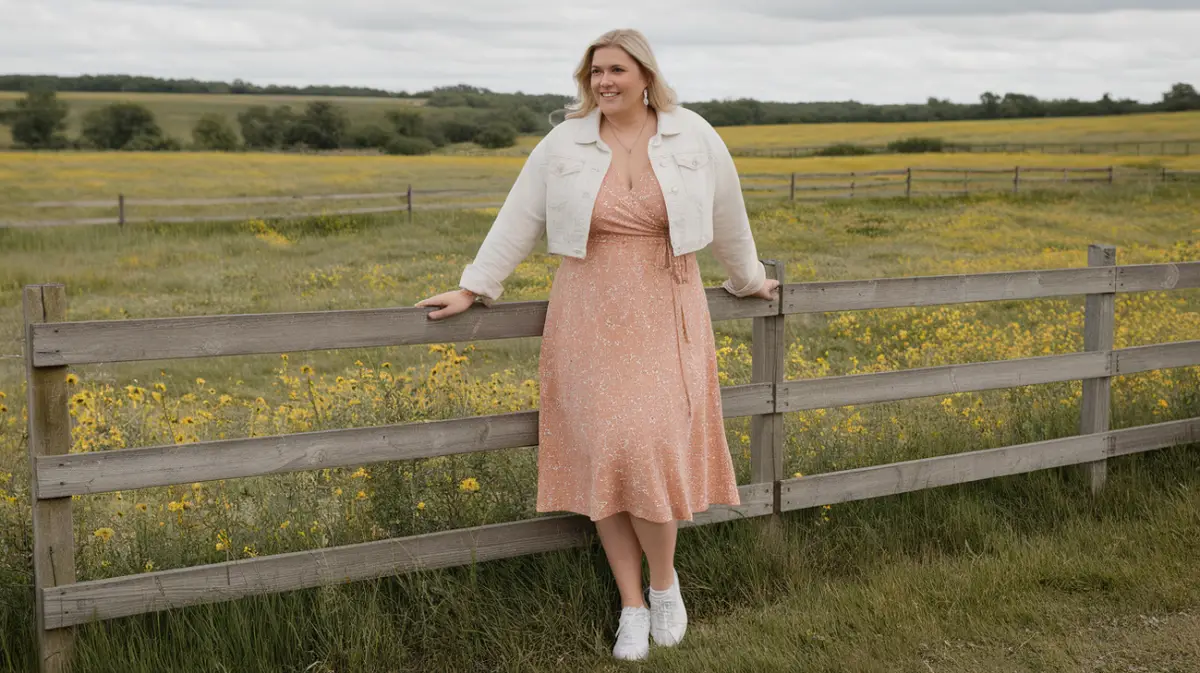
(562, 174)
(699, 185)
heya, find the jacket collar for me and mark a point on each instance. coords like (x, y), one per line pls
(669, 124)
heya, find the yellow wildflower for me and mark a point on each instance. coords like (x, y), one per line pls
(72, 379)
(306, 370)
(361, 495)
(421, 505)
(141, 507)
(469, 485)
(105, 534)
(199, 381)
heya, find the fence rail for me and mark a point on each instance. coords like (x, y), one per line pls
(907, 182)
(53, 344)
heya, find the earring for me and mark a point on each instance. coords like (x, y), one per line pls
(645, 96)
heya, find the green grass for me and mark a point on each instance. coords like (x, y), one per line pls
(1021, 573)
(1025, 573)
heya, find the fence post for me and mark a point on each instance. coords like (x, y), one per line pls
(792, 196)
(908, 183)
(410, 203)
(1016, 179)
(1110, 175)
(851, 184)
(121, 209)
(966, 182)
(768, 352)
(49, 435)
(1098, 328)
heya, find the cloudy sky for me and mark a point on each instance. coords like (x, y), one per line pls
(868, 50)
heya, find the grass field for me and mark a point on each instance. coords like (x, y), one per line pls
(78, 176)
(1156, 126)
(1023, 573)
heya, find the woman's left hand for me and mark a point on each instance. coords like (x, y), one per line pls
(767, 291)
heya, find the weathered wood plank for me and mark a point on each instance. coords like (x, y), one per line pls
(96, 341)
(49, 437)
(854, 295)
(961, 468)
(1158, 277)
(725, 306)
(1099, 324)
(1156, 436)
(756, 500)
(126, 469)
(916, 475)
(1156, 356)
(218, 582)
(837, 391)
(768, 360)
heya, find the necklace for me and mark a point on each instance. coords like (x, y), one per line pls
(629, 150)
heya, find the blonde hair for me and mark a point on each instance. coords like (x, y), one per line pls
(661, 96)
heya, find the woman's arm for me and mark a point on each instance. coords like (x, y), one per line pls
(733, 244)
(518, 226)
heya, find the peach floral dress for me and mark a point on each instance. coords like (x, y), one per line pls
(630, 410)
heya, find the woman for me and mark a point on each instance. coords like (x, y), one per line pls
(626, 190)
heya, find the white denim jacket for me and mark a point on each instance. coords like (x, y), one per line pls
(557, 187)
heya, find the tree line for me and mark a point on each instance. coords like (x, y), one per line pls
(740, 112)
(39, 121)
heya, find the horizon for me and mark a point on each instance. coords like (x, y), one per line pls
(412, 93)
(878, 53)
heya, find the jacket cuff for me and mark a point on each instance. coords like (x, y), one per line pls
(478, 282)
(751, 286)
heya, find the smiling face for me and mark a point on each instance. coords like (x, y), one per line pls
(617, 81)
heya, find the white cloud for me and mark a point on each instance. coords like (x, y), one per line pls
(893, 51)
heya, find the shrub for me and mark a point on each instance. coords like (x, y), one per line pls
(323, 126)
(38, 121)
(843, 150)
(214, 132)
(264, 128)
(916, 145)
(123, 126)
(496, 135)
(407, 122)
(408, 146)
(371, 135)
(460, 130)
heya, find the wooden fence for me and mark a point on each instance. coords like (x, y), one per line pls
(53, 345)
(942, 181)
(908, 182)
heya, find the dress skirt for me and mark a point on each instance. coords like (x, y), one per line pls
(630, 404)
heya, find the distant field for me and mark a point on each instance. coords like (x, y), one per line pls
(1124, 128)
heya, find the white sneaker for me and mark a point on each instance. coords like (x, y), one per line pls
(633, 634)
(668, 617)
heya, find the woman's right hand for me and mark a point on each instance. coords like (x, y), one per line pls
(449, 303)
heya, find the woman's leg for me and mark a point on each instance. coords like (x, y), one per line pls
(620, 544)
(658, 541)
